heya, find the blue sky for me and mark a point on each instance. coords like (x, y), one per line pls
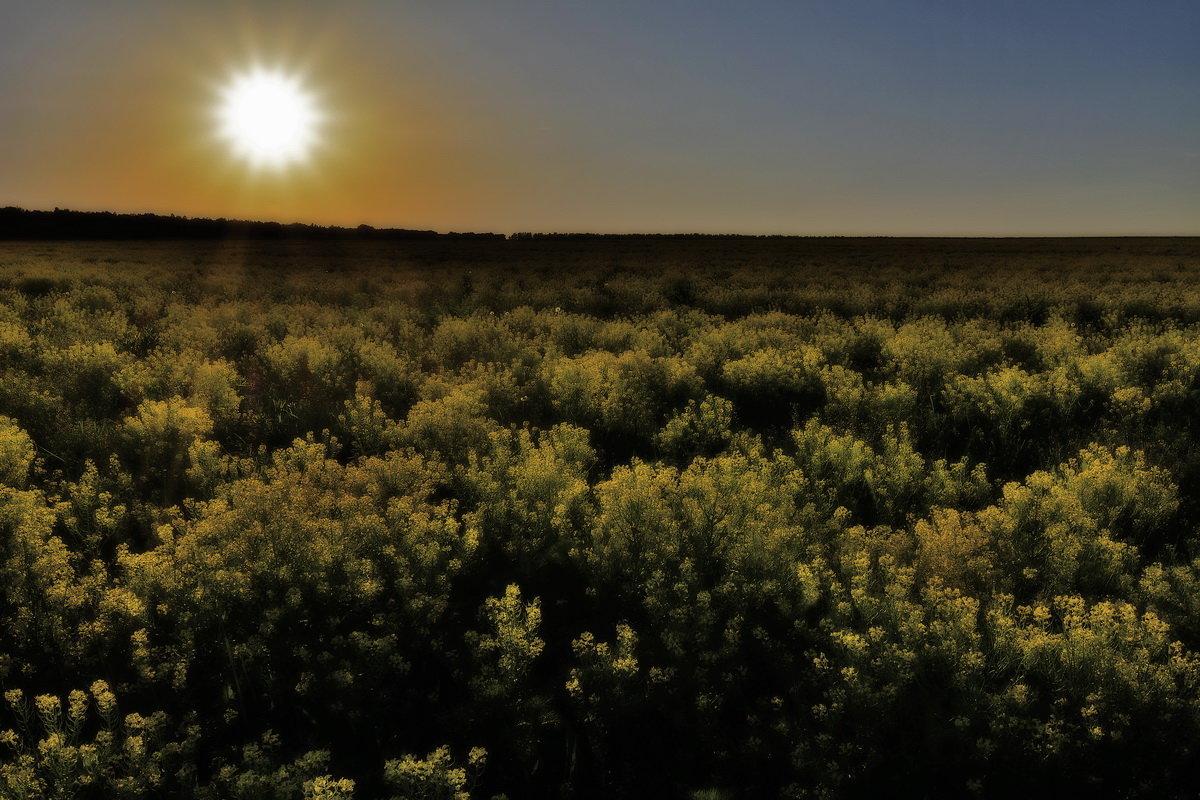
(846, 117)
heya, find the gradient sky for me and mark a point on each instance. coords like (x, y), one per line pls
(928, 117)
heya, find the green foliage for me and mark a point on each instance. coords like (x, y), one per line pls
(709, 519)
(452, 426)
(369, 428)
(81, 746)
(532, 493)
(703, 428)
(1078, 526)
(16, 454)
(775, 384)
(434, 777)
(510, 646)
(885, 483)
(214, 387)
(165, 438)
(261, 773)
(622, 398)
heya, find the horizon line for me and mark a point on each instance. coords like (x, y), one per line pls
(522, 234)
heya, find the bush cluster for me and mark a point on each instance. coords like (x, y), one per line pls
(600, 519)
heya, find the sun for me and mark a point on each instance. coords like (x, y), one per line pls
(268, 118)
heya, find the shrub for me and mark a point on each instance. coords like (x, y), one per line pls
(16, 454)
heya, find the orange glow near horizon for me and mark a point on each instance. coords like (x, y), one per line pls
(804, 119)
(369, 148)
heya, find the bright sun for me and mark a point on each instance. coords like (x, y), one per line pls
(268, 118)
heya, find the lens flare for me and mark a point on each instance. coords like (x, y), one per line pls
(268, 118)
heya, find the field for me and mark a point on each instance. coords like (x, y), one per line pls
(620, 517)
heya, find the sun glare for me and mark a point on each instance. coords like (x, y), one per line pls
(268, 118)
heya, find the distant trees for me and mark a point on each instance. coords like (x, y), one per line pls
(63, 224)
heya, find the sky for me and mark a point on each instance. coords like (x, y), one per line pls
(829, 117)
